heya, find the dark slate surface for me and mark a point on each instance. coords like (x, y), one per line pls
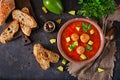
(117, 62)
(18, 62)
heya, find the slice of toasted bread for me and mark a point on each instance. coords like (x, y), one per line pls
(25, 29)
(53, 57)
(44, 63)
(44, 56)
(41, 57)
(25, 10)
(6, 6)
(9, 32)
(24, 18)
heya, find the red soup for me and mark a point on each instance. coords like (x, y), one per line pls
(80, 40)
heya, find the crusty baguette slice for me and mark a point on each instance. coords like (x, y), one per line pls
(44, 56)
(41, 57)
(25, 29)
(9, 32)
(24, 18)
(53, 57)
(25, 10)
(6, 6)
(44, 63)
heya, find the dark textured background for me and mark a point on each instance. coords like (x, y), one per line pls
(17, 60)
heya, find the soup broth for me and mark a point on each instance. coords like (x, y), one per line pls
(80, 40)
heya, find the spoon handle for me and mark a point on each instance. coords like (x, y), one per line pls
(98, 60)
(109, 37)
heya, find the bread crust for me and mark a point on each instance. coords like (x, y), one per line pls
(25, 10)
(5, 9)
(9, 32)
(25, 29)
(24, 18)
(44, 56)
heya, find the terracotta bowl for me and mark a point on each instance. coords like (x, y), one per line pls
(64, 27)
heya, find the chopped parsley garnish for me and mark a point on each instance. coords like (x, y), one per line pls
(86, 27)
(72, 46)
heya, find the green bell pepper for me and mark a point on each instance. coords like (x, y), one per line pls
(54, 6)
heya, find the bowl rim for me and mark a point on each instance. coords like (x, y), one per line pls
(85, 20)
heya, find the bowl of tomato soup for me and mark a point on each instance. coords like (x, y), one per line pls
(80, 40)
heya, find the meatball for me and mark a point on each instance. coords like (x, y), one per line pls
(74, 36)
(84, 38)
(80, 50)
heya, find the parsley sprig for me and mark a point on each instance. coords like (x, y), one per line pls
(96, 8)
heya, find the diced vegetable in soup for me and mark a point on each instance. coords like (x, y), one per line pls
(80, 40)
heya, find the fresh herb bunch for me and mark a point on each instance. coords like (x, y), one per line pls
(96, 8)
